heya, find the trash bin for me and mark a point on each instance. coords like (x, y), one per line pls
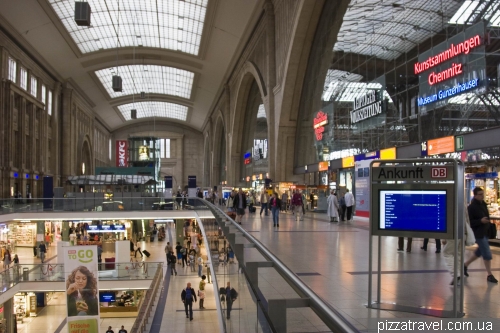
(26, 274)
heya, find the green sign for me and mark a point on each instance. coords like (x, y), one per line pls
(459, 142)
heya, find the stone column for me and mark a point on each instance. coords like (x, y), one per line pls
(65, 140)
(271, 83)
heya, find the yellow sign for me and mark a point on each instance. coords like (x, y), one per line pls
(388, 154)
(348, 162)
(143, 153)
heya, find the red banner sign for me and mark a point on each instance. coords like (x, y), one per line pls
(319, 122)
(121, 153)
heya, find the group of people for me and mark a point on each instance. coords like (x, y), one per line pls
(188, 296)
(478, 218)
(338, 207)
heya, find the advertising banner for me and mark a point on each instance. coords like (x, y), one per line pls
(451, 68)
(362, 185)
(121, 153)
(82, 288)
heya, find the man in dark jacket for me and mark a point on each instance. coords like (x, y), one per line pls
(480, 223)
(187, 297)
(240, 203)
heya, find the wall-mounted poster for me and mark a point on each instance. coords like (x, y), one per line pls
(82, 288)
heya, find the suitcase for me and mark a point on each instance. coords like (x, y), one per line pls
(146, 253)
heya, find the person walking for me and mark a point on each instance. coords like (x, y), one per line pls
(201, 291)
(240, 203)
(333, 207)
(16, 265)
(6, 259)
(178, 249)
(187, 296)
(192, 255)
(297, 205)
(343, 207)
(200, 265)
(168, 248)
(264, 198)
(138, 249)
(178, 200)
(171, 260)
(110, 330)
(349, 202)
(231, 296)
(284, 199)
(184, 256)
(275, 204)
(401, 244)
(438, 245)
(43, 250)
(479, 217)
(122, 330)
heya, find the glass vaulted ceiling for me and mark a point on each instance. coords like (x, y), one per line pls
(154, 109)
(167, 24)
(149, 79)
(470, 11)
(387, 29)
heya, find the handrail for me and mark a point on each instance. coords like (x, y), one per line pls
(146, 307)
(331, 317)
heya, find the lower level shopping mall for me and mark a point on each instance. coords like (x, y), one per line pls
(249, 166)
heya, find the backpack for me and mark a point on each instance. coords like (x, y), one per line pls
(234, 294)
(173, 259)
(189, 296)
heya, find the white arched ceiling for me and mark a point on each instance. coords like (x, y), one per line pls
(154, 109)
(150, 79)
(167, 24)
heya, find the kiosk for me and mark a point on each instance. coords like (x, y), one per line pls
(417, 198)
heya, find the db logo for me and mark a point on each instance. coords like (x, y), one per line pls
(439, 172)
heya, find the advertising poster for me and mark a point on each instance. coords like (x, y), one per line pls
(121, 153)
(362, 185)
(82, 288)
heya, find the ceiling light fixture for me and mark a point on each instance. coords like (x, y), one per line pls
(117, 80)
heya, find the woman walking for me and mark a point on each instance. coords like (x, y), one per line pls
(275, 204)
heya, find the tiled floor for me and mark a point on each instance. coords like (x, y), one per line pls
(336, 256)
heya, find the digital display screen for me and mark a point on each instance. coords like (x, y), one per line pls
(413, 210)
(107, 297)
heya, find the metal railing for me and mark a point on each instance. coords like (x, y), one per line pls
(277, 317)
(55, 273)
(146, 309)
(98, 204)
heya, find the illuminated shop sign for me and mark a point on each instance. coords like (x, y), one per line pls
(447, 93)
(455, 66)
(143, 153)
(121, 153)
(454, 70)
(247, 158)
(366, 106)
(259, 149)
(319, 123)
(451, 52)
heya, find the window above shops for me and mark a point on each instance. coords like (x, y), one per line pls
(168, 24)
(154, 109)
(150, 79)
(23, 82)
(12, 69)
(387, 30)
(33, 86)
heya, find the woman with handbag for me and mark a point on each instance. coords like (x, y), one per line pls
(201, 291)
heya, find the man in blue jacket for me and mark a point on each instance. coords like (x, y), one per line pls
(187, 297)
(480, 223)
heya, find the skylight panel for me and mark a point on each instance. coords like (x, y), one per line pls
(150, 79)
(261, 113)
(171, 24)
(154, 109)
(463, 12)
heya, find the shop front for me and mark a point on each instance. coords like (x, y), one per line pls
(122, 304)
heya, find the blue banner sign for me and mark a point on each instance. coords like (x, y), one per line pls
(447, 93)
(481, 175)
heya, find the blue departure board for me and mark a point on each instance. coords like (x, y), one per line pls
(413, 210)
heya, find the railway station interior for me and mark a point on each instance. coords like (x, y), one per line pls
(319, 163)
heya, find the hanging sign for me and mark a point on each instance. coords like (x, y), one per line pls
(367, 106)
(121, 153)
(319, 122)
(82, 288)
